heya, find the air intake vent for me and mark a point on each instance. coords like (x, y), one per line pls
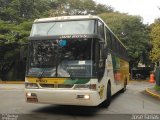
(56, 85)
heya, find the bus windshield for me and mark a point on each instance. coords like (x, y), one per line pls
(62, 28)
(61, 58)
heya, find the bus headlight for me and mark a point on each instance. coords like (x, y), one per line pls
(86, 97)
(31, 94)
(85, 86)
(31, 86)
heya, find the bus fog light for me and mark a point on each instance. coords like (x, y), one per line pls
(83, 97)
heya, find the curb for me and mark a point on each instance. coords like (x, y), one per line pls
(152, 93)
(11, 82)
(135, 81)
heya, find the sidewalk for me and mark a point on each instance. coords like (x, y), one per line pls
(11, 82)
(153, 92)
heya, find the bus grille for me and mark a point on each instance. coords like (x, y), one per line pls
(56, 85)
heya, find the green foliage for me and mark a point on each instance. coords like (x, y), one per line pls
(157, 88)
(10, 32)
(155, 37)
(77, 7)
(132, 32)
(21, 10)
(5, 31)
(101, 8)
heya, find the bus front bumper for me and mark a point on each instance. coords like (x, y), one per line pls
(63, 97)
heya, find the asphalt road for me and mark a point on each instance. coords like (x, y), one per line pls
(124, 106)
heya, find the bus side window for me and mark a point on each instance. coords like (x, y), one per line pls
(114, 43)
(121, 50)
(118, 47)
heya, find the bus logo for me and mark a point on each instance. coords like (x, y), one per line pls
(41, 81)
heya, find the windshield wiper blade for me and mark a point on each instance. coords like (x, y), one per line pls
(51, 28)
(71, 76)
(40, 75)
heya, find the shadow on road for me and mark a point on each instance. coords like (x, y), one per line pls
(68, 110)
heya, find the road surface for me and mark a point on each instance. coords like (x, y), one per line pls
(124, 106)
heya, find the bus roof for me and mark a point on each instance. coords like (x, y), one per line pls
(63, 18)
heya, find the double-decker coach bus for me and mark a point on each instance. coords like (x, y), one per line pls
(74, 60)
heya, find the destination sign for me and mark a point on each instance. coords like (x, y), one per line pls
(74, 36)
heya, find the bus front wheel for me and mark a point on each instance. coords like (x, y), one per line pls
(107, 102)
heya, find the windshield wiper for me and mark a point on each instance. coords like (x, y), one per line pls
(71, 76)
(40, 75)
(51, 28)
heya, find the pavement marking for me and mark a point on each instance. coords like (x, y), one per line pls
(153, 94)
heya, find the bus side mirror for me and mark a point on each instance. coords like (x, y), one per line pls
(104, 49)
(105, 53)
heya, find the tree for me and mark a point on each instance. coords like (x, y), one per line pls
(133, 33)
(77, 7)
(155, 37)
(12, 36)
(18, 11)
(101, 8)
(10, 32)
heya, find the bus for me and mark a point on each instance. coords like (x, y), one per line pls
(74, 60)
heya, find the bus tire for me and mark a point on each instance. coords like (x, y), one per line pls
(125, 86)
(107, 102)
